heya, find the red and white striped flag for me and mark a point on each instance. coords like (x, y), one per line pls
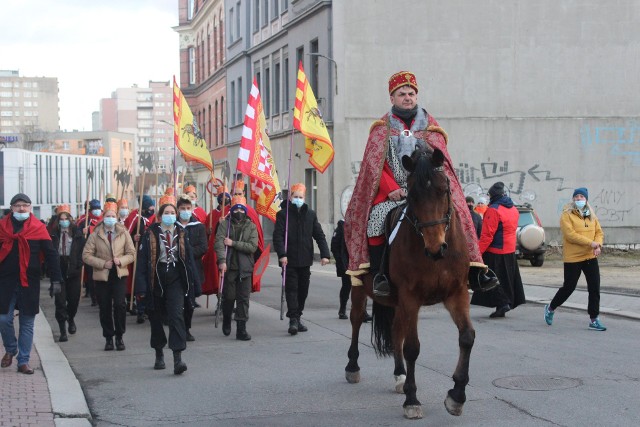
(255, 158)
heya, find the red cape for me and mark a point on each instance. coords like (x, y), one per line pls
(33, 229)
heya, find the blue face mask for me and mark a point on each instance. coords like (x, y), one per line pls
(298, 202)
(96, 212)
(580, 203)
(110, 222)
(21, 216)
(124, 212)
(185, 215)
(168, 219)
(64, 223)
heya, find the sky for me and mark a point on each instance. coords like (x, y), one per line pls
(92, 46)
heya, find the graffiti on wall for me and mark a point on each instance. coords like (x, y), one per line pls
(624, 141)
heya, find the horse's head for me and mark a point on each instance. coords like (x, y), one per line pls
(429, 200)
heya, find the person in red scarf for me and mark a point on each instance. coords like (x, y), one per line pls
(382, 185)
(201, 214)
(23, 239)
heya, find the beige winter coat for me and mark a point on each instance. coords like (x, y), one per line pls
(97, 251)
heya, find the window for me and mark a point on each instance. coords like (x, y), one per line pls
(285, 83)
(237, 20)
(275, 9)
(7, 113)
(311, 183)
(267, 92)
(314, 67)
(192, 66)
(256, 15)
(208, 52)
(300, 56)
(216, 119)
(276, 89)
(65, 145)
(5, 84)
(240, 101)
(190, 4)
(233, 102)
(222, 120)
(285, 5)
(265, 12)
(231, 21)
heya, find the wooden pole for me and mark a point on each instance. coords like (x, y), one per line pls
(86, 226)
(135, 257)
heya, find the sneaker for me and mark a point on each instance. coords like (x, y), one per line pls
(595, 325)
(548, 315)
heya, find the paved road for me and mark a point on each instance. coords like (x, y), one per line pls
(585, 377)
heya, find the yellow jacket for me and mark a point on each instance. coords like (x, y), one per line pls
(578, 232)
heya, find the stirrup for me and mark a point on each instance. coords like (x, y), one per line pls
(482, 281)
(381, 287)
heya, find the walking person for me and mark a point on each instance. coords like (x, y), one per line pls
(582, 240)
(498, 248)
(340, 254)
(296, 260)
(23, 239)
(87, 222)
(109, 250)
(165, 277)
(198, 238)
(69, 241)
(235, 253)
(475, 216)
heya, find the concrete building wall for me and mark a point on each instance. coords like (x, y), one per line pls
(541, 95)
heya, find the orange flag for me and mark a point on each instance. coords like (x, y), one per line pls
(186, 133)
(307, 118)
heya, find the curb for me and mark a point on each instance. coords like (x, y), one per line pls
(67, 398)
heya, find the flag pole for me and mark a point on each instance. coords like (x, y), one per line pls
(286, 225)
(226, 248)
(135, 257)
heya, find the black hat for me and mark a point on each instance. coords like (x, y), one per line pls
(94, 204)
(20, 197)
(496, 189)
(469, 199)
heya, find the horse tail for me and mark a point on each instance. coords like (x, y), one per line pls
(381, 329)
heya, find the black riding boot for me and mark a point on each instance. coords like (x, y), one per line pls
(481, 281)
(241, 332)
(293, 326)
(227, 309)
(178, 365)
(378, 267)
(63, 332)
(342, 313)
(159, 359)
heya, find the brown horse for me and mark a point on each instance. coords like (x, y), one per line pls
(429, 225)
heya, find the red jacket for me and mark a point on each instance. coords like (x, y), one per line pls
(499, 227)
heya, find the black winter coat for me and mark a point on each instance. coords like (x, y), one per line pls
(303, 229)
(198, 238)
(339, 249)
(28, 301)
(70, 267)
(147, 283)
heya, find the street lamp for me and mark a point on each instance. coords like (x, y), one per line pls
(335, 65)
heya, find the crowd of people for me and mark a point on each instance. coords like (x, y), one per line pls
(158, 261)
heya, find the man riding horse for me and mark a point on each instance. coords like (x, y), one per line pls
(382, 185)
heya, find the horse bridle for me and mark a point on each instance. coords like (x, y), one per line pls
(418, 226)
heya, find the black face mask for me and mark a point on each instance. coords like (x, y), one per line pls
(148, 213)
(238, 216)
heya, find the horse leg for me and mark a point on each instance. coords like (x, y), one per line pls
(399, 372)
(411, 349)
(358, 299)
(458, 306)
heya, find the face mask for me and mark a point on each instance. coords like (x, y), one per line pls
(298, 202)
(580, 203)
(21, 216)
(185, 215)
(168, 219)
(64, 223)
(96, 212)
(124, 212)
(109, 222)
(148, 213)
(238, 216)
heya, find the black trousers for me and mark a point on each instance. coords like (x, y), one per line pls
(296, 289)
(572, 272)
(345, 291)
(67, 301)
(238, 291)
(113, 308)
(169, 306)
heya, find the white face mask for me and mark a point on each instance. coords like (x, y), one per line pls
(580, 203)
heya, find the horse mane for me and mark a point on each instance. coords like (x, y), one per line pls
(423, 172)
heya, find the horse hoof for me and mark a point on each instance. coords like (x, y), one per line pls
(413, 412)
(453, 407)
(400, 383)
(352, 377)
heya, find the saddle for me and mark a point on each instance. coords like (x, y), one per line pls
(381, 282)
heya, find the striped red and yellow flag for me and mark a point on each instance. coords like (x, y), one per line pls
(307, 118)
